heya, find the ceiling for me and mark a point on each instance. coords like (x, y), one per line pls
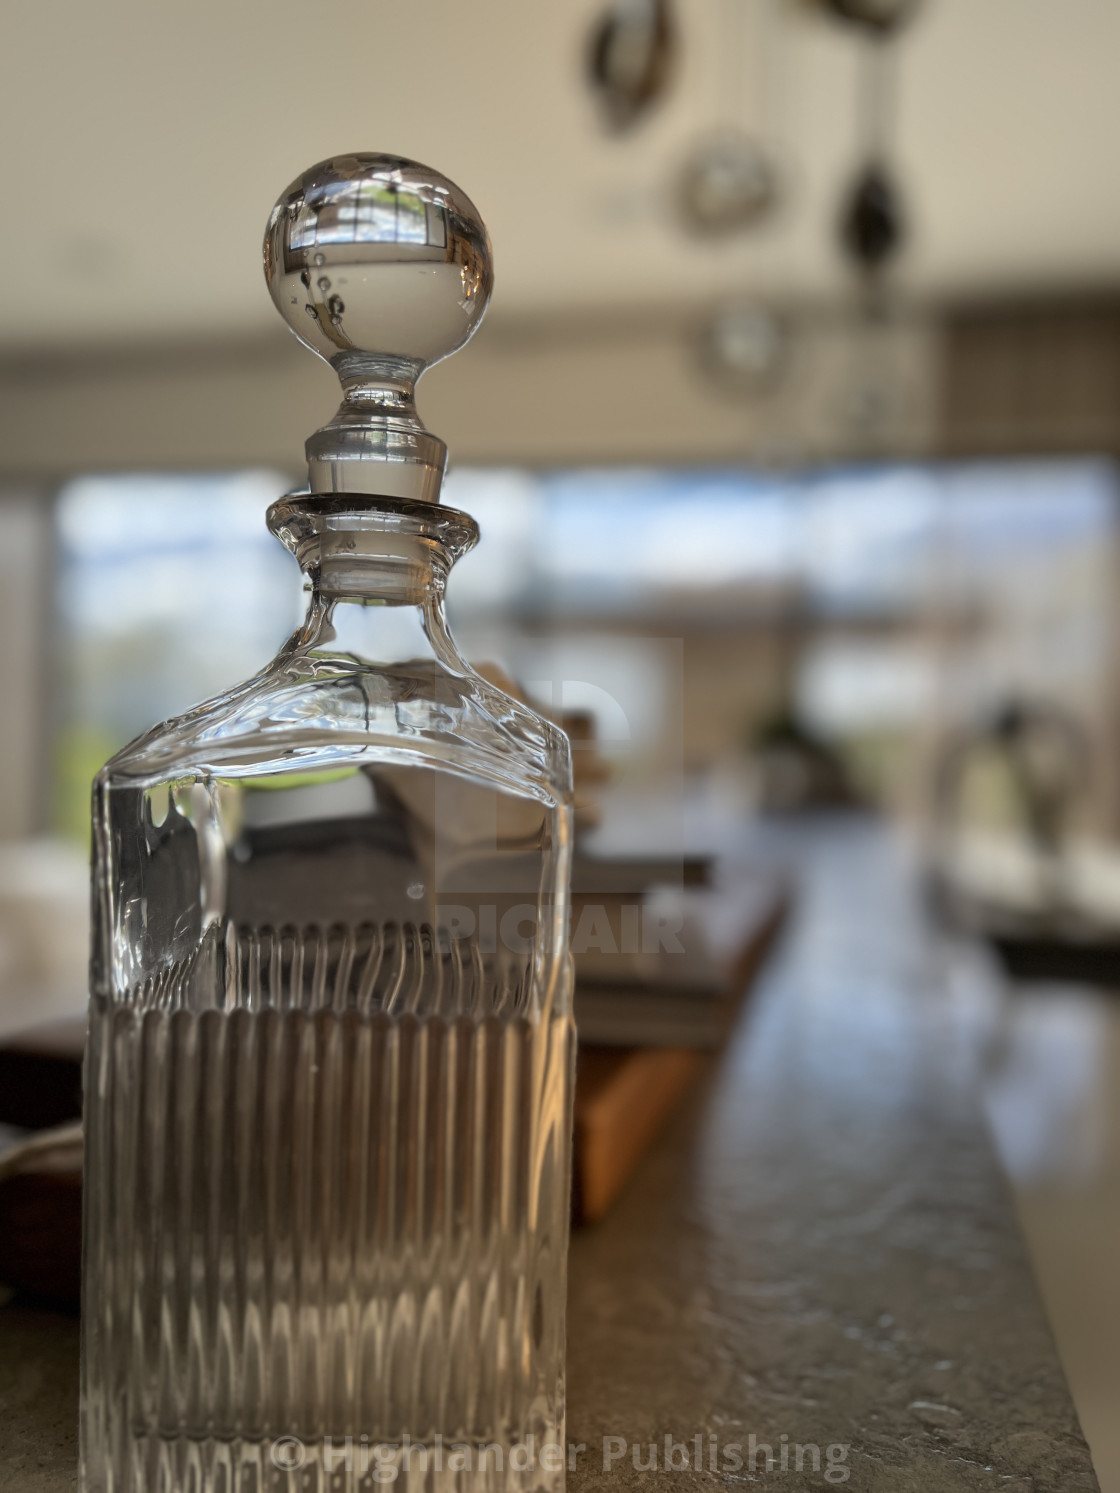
(143, 145)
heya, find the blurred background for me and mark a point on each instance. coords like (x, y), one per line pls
(792, 432)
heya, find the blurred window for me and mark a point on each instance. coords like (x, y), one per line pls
(170, 589)
(683, 609)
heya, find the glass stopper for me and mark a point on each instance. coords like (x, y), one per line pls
(382, 267)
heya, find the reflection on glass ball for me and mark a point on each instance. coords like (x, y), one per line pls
(375, 256)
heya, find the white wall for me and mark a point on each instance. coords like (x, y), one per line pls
(554, 390)
(142, 145)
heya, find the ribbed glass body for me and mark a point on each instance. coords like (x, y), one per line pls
(328, 1082)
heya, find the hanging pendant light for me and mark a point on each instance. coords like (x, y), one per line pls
(729, 182)
(875, 15)
(871, 226)
(632, 58)
(746, 346)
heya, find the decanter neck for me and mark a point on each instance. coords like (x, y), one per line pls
(374, 551)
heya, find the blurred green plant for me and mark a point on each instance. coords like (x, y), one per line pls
(81, 750)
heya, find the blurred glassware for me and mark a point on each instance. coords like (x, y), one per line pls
(1017, 858)
(632, 58)
(1041, 753)
(747, 346)
(729, 182)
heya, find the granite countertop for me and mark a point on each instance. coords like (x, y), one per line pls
(823, 1248)
(820, 1253)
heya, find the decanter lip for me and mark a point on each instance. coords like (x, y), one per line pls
(301, 521)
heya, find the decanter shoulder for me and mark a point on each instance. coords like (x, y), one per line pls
(302, 714)
(526, 733)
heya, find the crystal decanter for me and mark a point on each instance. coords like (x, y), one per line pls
(328, 1078)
